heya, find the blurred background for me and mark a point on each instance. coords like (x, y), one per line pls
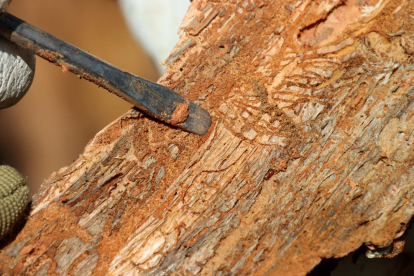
(50, 126)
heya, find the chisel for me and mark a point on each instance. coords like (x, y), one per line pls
(151, 98)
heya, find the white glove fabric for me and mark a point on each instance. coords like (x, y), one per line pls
(17, 67)
(4, 4)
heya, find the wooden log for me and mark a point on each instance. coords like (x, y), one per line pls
(319, 92)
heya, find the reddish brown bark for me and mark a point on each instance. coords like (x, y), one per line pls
(320, 92)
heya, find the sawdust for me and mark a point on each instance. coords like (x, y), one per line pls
(180, 114)
(148, 136)
(64, 68)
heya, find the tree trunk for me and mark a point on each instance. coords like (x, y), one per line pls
(310, 155)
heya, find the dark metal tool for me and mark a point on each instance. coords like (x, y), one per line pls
(149, 97)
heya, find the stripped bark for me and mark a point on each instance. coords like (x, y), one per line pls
(320, 92)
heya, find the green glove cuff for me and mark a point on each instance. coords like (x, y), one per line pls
(14, 196)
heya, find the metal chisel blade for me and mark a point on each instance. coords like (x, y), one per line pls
(151, 98)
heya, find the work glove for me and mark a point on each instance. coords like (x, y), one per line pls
(14, 197)
(17, 67)
(3, 5)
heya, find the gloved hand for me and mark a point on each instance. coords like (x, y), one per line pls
(17, 67)
(16, 75)
(3, 5)
(14, 197)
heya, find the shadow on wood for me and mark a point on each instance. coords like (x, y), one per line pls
(318, 91)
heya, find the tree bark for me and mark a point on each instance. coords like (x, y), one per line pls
(310, 155)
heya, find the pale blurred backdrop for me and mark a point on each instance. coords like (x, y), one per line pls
(49, 128)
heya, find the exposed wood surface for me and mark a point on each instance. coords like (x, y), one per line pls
(320, 92)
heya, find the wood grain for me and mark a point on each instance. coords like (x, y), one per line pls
(321, 92)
